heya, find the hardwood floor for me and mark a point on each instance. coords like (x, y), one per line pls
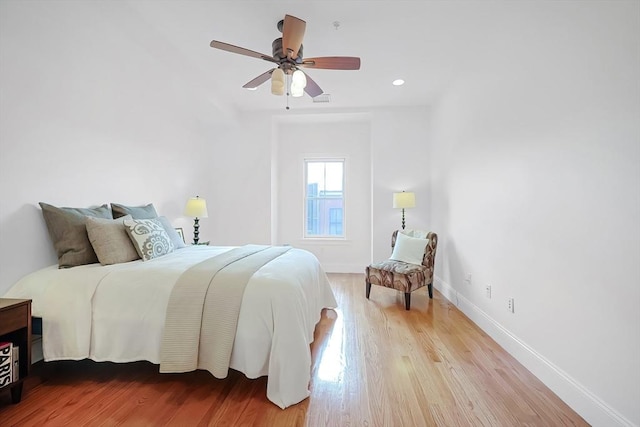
(374, 364)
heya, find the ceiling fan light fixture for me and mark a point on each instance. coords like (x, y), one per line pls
(299, 79)
(298, 83)
(287, 57)
(296, 91)
(277, 82)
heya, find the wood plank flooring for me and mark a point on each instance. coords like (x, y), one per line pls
(374, 364)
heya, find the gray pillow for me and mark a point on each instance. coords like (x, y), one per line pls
(68, 233)
(136, 212)
(178, 243)
(149, 238)
(110, 240)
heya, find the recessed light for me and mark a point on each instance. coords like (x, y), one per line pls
(398, 82)
(252, 88)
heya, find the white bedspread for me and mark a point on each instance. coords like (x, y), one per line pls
(116, 313)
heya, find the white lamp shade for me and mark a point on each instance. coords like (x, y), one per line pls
(404, 200)
(298, 83)
(296, 91)
(277, 82)
(299, 79)
(196, 208)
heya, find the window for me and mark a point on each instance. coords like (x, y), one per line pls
(335, 221)
(324, 198)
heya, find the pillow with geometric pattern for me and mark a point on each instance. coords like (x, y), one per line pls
(149, 238)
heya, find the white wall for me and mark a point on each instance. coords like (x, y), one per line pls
(251, 161)
(399, 161)
(342, 138)
(84, 122)
(238, 170)
(536, 191)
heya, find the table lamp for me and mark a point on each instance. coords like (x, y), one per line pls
(403, 201)
(196, 208)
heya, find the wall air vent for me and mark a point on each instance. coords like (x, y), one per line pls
(324, 97)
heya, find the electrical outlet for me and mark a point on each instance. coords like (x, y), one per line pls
(488, 291)
(511, 305)
(468, 278)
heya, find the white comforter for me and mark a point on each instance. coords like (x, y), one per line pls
(116, 313)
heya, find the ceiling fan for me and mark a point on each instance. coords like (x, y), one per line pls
(287, 55)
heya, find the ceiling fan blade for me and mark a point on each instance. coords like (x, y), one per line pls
(242, 51)
(292, 35)
(333, 63)
(312, 87)
(259, 80)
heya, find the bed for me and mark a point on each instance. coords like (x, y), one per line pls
(117, 313)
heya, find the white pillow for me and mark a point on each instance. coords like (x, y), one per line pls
(149, 238)
(415, 233)
(409, 249)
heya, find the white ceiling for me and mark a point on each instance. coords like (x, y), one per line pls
(429, 44)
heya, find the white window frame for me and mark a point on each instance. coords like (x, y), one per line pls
(306, 161)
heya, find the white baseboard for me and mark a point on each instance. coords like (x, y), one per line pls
(580, 399)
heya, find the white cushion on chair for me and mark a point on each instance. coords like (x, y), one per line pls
(421, 234)
(409, 249)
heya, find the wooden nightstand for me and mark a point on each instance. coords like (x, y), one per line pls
(15, 327)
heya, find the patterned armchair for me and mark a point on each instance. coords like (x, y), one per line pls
(403, 276)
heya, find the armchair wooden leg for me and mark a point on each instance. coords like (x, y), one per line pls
(368, 289)
(407, 300)
(430, 287)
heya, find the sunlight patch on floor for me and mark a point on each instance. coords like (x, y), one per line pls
(332, 364)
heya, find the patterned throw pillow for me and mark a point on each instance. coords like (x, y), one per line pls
(149, 238)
